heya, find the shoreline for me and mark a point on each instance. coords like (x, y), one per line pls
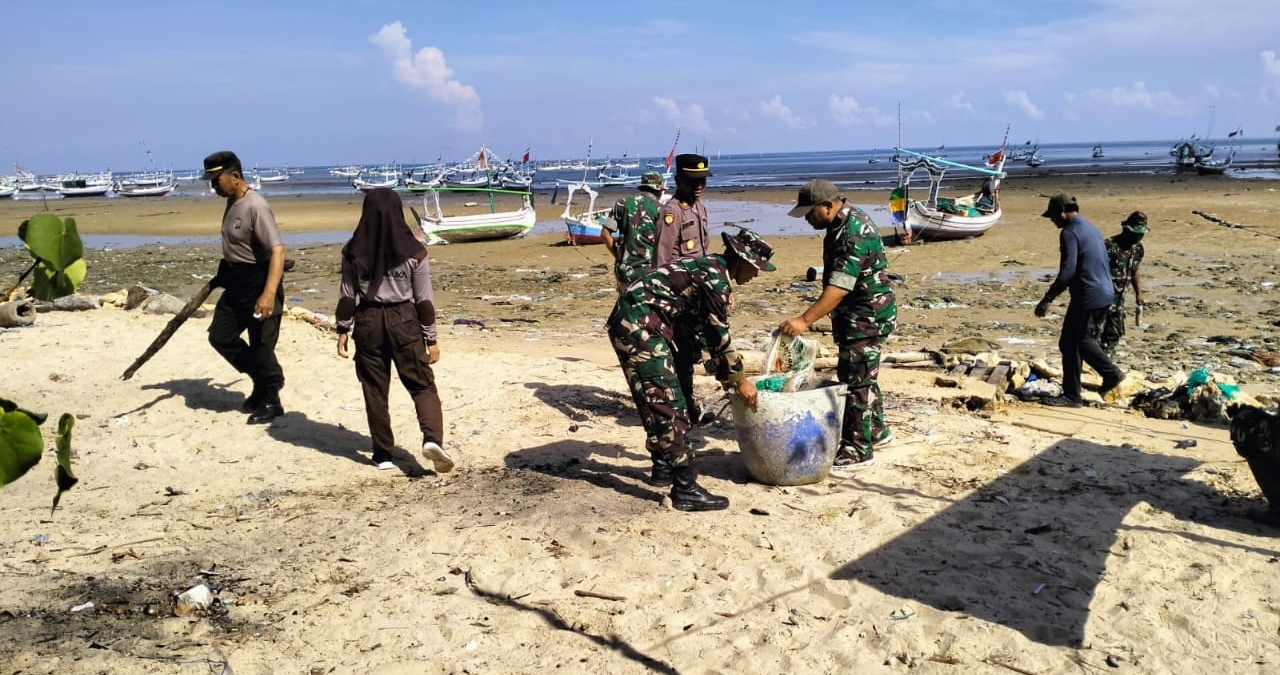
(199, 217)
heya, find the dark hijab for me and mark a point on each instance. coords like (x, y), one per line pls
(382, 239)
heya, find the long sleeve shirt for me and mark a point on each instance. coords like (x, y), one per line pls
(1083, 266)
(410, 281)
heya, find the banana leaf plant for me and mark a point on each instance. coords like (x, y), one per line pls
(58, 270)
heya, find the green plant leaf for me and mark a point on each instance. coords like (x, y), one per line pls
(9, 406)
(20, 445)
(52, 240)
(62, 472)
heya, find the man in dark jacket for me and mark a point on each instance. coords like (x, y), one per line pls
(1084, 270)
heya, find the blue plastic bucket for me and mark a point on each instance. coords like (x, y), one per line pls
(792, 438)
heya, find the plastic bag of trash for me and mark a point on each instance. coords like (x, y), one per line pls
(791, 357)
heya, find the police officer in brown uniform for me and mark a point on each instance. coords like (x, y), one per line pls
(250, 274)
(682, 233)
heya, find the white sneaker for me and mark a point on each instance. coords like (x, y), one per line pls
(386, 466)
(440, 459)
(889, 440)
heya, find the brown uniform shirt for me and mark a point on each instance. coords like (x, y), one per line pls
(410, 281)
(682, 232)
(249, 230)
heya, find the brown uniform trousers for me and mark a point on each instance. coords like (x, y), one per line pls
(387, 333)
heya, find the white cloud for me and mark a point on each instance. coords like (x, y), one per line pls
(428, 72)
(845, 109)
(1270, 65)
(781, 112)
(1133, 97)
(1020, 100)
(956, 102)
(691, 117)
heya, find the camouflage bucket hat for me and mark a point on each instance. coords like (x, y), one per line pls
(1136, 223)
(652, 180)
(750, 247)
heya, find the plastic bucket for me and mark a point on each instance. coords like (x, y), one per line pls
(792, 438)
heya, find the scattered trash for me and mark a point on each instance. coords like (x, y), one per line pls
(40, 539)
(1090, 473)
(1002, 499)
(758, 511)
(471, 646)
(1185, 443)
(80, 608)
(174, 492)
(468, 322)
(1038, 588)
(1113, 660)
(573, 428)
(122, 421)
(1131, 447)
(901, 614)
(193, 599)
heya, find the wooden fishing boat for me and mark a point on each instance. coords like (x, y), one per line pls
(940, 218)
(438, 228)
(585, 226)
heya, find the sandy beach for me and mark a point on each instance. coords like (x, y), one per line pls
(1004, 538)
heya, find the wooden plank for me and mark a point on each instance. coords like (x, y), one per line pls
(980, 372)
(999, 376)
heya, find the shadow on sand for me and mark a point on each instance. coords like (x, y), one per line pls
(294, 428)
(1015, 556)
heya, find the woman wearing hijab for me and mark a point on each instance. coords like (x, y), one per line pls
(386, 301)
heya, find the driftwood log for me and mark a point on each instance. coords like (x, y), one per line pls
(170, 328)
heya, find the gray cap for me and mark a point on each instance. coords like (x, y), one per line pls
(816, 191)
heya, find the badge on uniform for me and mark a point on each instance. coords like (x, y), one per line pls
(690, 244)
(670, 219)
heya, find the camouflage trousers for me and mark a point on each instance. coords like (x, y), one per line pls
(1113, 326)
(858, 367)
(649, 366)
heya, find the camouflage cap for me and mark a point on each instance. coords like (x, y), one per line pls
(750, 247)
(652, 180)
(1135, 223)
(1060, 203)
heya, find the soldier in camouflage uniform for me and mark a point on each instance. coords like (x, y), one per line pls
(1256, 434)
(682, 234)
(692, 292)
(1124, 251)
(856, 293)
(634, 234)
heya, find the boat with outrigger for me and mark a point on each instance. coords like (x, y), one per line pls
(437, 227)
(936, 218)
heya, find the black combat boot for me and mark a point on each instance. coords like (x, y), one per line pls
(687, 495)
(661, 474)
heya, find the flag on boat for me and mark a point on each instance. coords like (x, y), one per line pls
(898, 205)
(1235, 133)
(482, 160)
(671, 156)
(525, 160)
(996, 157)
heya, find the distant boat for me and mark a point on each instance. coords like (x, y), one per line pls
(1097, 151)
(1215, 167)
(614, 175)
(272, 175)
(7, 191)
(1035, 159)
(148, 184)
(874, 159)
(437, 228)
(77, 185)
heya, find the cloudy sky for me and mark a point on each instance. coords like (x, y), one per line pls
(95, 84)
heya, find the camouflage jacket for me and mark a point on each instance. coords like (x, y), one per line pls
(636, 236)
(853, 259)
(1123, 263)
(693, 292)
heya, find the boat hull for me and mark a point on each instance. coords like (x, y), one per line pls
(579, 232)
(929, 224)
(460, 229)
(149, 191)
